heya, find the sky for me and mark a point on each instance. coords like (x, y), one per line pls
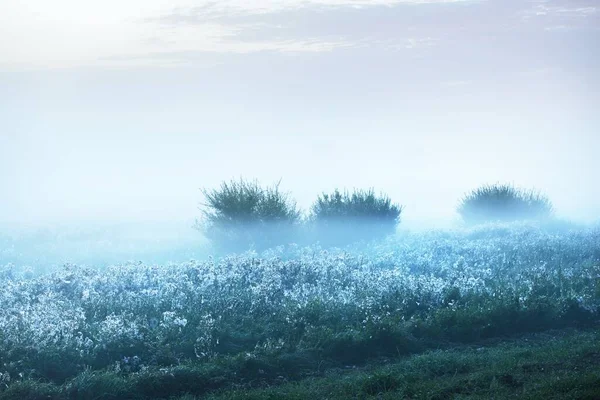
(120, 111)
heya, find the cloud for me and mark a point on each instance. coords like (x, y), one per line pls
(170, 33)
(456, 83)
(562, 11)
(232, 9)
(562, 15)
(418, 28)
(294, 26)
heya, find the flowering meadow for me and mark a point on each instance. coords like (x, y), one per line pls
(306, 309)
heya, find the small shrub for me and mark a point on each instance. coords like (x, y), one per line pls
(504, 203)
(242, 214)
(342, 218)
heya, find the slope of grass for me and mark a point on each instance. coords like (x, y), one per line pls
(557, 365)
(554, 365)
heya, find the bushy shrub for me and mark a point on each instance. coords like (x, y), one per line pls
(341, 218)
(504, 203)
(242, 214)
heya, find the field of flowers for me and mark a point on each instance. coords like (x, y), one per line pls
(308, 308)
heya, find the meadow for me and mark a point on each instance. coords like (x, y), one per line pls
(487, 312)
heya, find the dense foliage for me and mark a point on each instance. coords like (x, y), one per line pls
(503, 203)
(398, 297)
(341, 218)
(242, 214)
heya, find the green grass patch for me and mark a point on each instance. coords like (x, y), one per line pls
(553, 365)
(561, 365)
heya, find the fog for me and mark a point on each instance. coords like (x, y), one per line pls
(112, 130)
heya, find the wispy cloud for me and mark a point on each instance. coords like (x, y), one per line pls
(319, 26)
(456, 83)
(563, 11)
(563, 15)
(168, 33)
(232, 9)
(295, 25)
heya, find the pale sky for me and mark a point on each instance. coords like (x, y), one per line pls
(122, 110)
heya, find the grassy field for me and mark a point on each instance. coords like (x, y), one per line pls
(555, 365)
(494, 312)
(561, 364)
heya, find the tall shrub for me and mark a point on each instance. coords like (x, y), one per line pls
(240, 215)
(504, 203)
(341, 218)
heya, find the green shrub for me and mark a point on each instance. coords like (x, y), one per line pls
(504, 203)
(241, 214)
(342, 218)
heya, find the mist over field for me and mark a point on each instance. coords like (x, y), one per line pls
(118, 115)
(299, 199)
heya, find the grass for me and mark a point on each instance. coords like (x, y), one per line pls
(556, 365)
(481, 314)
(563, 364)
